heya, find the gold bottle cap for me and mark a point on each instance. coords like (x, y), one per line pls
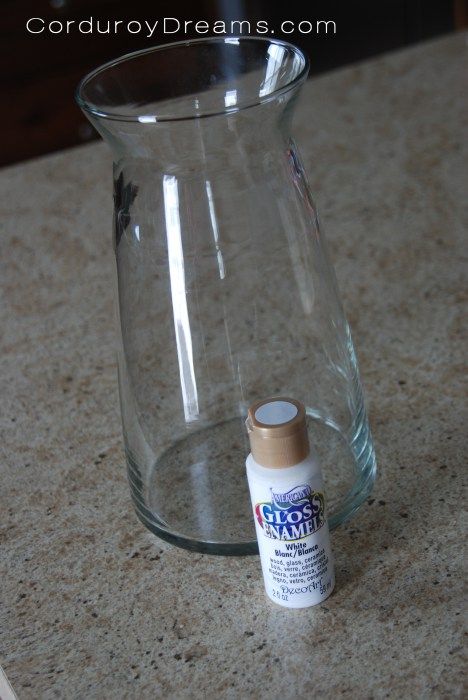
(278, 432)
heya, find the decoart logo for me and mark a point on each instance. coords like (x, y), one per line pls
(292, 515)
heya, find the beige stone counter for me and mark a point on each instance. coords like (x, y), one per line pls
(93, 605)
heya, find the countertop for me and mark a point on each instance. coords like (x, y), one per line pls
(92, 604)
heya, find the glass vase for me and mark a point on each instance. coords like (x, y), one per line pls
(225, 291)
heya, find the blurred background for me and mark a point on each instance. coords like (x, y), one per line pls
(42, 70)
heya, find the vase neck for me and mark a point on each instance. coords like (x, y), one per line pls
(187, 145)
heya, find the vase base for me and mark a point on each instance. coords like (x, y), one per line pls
(197, 495)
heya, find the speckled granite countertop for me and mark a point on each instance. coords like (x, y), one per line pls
(94, 606)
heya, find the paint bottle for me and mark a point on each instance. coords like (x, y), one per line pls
(286, 490)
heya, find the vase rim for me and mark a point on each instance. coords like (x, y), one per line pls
(93, 109)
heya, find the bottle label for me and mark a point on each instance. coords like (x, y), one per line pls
(294, 540)
(292, 515)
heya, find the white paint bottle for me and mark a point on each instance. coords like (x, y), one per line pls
(286, 490)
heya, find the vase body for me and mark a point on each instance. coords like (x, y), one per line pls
(225, 291)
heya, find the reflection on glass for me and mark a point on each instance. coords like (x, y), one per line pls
(214, 226)
(230, 98)
(179, 300)
(273, 70)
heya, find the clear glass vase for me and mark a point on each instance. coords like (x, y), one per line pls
(225, 291)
